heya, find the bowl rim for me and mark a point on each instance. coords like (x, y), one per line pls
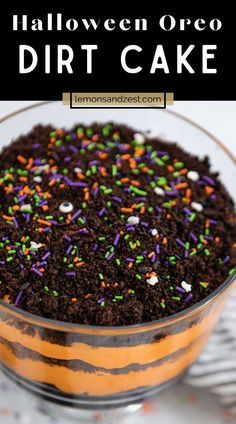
(63, 325)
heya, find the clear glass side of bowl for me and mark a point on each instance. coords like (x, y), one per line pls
(170, 127)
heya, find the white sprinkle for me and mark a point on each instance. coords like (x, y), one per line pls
(66, 207)
(78, 170)
(139, 138)
(38, 179)
(43, 167)
(134, 220)
(35, 245)
(27, 208)
(153, 280)
(154, 232)
(193, 175)
(197, 206)
(159, 191)
(187, 287)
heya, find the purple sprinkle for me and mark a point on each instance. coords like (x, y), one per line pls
(21, 266)
(36, 271)
(162, 153)
(101, 300)
(5, 238)
(193, 237)
(117, 199)
(158, 249)
(18, 298)
(180, 242)
(144, 224)
(40, 264)
(153, 258)
(73, 148)
(213, 197)
(46, 229)
(129, 260)
(22, 198)
(117, 238)
(170, 192)
(111, 256)
(102, 211)
(95, 247)
(46, 256)
(67, 238)
(2, 262)
(70, 274)
(189, 297)
(158, 208)
(95, 191)
(93, 162)
(186, 253)
(130, 228)
(213, 221)
(44, 202)
(35, 145)
(226, 259)
(76, 214)
(209, 180)
(210, 238)
(179, 289)
(69, 249)
(16, 223)
(188, 212)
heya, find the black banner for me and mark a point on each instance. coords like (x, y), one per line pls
(47, 50)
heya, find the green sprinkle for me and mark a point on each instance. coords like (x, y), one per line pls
(138, 277)
(10, 259)
(203, 285)
(231, 271)
(178, 165)
(206, 252)
(177, 298)
(162, 305)
(101, 238)
(138, 191)
(55, 293)
(101, 276)
(118, 262)
(192, 217)
(46, 289)
(118, 297)
(161, 181)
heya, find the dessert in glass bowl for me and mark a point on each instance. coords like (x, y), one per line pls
(117, 252)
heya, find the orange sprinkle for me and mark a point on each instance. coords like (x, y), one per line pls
(139, 151)
(126, 210)
(95, 185)
(76, 259)
(38, 188)
(207, 224)
(86, 195)
(15, 208)
(52, 182)
(217, 239)
(121, 232)
(209, 190)
(88, 296)
(142, 210)
(150, 255)
(6, 298)
(165, 241)
(41, 269)
(45, 207)
(103, 171)
(8, 218)
(43, 222)
(62, 186)
(60, 131)
(125, 180)
(130, 264)
(234, 246)
(103, 284)
(168, 216)
(74, 300)
(23, 179)
(126, 156)
(183, 171)
(102, 155)
(80, 264)
(170, 168)
(181, 185)
(135, 183)
(132, 163)
(22, 160)
(80, 176)
(188, 193)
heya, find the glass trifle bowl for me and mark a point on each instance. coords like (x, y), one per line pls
(89, 368)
